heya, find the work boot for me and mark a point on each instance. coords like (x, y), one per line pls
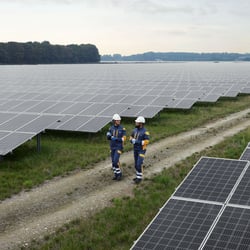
(114, 178)
(137, 181)
(119, 177)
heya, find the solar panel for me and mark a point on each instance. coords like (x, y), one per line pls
(41, 107)
(6, 116)
(185, 103)
(23, 106)
(246, 154)
(212, 179)
(179, 225)
(114, 98)
(76, 108)
(72, 123)
(10, 105)
(130, 99)
(232, 230)
(94, 109)
(145, 100)
(241, 195)
(181, 93)
(17, 122)
(207, 211)
(94, 124)
(150, 111)
(113, 109)
(59, 107)
(210, 98)
(162, 101)
(13, 140)
(132, 111)
(231, 93)
(3, 134)
(101, 90)
(99, 98)
(245, 90)
(36, 126)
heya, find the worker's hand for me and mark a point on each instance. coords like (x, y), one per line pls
(108, 135)
(113, 138)
(133, 141)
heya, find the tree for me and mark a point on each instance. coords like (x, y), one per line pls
(46, 53)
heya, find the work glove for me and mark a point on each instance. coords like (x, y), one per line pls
(134, 141)
(108, 135)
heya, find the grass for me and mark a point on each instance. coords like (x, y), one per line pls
(118, 226)
(63, 152)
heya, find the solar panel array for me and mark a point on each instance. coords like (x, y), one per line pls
(84, 97)
(209, 210)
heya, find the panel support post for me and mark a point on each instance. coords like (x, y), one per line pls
(38, 142)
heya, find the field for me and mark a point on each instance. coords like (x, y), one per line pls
(115, 227)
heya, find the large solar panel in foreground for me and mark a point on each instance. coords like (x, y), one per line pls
(232, 231)
(85, 97)
(181, 224)
(211, 180)
(241, 195)
(195, 218)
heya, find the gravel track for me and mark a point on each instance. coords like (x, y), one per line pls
(42, 210)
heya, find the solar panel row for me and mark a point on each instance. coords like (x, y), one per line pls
(246, 153)
(15, 129)
(209, 210)
(86, 96)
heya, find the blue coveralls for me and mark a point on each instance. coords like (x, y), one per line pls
(140, 135)
(117, 137)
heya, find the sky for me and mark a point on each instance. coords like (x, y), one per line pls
(129, 27)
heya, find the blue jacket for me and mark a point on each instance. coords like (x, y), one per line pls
(141, 136)
(117, 137)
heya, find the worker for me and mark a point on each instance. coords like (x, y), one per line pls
(117, 136)
(140, 139)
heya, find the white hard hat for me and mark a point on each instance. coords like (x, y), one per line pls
(116, 117)
(140, 119)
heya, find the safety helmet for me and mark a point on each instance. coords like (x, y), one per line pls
(140, 119)
(116, 117)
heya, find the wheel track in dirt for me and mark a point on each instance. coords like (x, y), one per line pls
(32, 215)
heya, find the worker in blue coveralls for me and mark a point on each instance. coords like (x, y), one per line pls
(117, 137)
(140, 139)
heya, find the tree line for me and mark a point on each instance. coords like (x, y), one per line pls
(178, 56)
(46, 53)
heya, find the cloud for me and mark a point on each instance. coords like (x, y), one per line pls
(152, 6)
(40, 2)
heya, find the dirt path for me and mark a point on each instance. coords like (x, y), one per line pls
(31, 215)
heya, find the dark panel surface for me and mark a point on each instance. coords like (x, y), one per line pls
(212, 179)
(179, 225)
(241, 195)
(232, 230)
(246, 154)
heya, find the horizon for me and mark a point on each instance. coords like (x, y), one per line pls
(145, 52)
